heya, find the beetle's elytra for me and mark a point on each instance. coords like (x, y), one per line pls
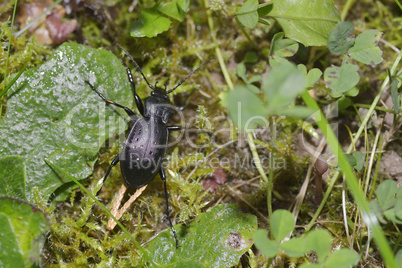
(145, 147)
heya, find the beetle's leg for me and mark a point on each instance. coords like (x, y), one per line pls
(176, 128)
(114, 162)
(128, 111)
(163, 177)
(138, 101)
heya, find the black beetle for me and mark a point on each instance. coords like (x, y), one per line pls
(145, 147)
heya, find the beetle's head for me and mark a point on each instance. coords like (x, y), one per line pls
(158, 105)
(159, 93)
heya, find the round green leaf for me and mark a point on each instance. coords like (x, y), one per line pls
(248, 14)
(319, 241)
(245, 108)
(366, 48)
(360, 160)
(308, 22)
(295, 247)
(175, 9)
(282, 85)
(386, 194)
(339, 40)
(352, 92)
(217, 238)
(282, 223)
(398, 208)
(342, 79)
(343, 258)
(283, 47)
(150, 24)
(22, 229)
(53, 114)
(313, 76)
(267, 247)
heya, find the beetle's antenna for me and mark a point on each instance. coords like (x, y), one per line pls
(137, 66)
(182, 81)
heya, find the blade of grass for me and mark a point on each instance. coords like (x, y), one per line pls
(217, 49)
(13, 81)
(141, 249)
(9, 42)
(4, 28)
(368, 216)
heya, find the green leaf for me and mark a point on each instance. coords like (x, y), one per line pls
(245, 108)
(175, 9)
(352, 92)
(343, 258)
(264, 9)
(342, 79)
(21, 234)
(313, 76)
(308, 22)
(375, 207)
(398, 256)
(283, 47)
(276, 61)
(253, 88)
(241, 71)
(255, 78)
(356, 160)
(282, 223)
(247, 14)
(319, 241)
(267, 247)
(398, 207)
(217, 238)
(296, 111)
(351, 159)
(12, 176)
(282, 85)
(295, 247)
(150, 24)
(366, 48)
(340, 39)
(53, 114)
(390, 214)
(386, 194)
(310, 265)
(250, 57)
(360, 157)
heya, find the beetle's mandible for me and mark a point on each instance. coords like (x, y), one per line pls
(145, 147)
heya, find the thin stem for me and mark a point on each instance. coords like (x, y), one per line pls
(9, 42)
(271, 166)
(217, 49)
(346, 8)
(257, 163)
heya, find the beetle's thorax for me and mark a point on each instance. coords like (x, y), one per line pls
(157, 106)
